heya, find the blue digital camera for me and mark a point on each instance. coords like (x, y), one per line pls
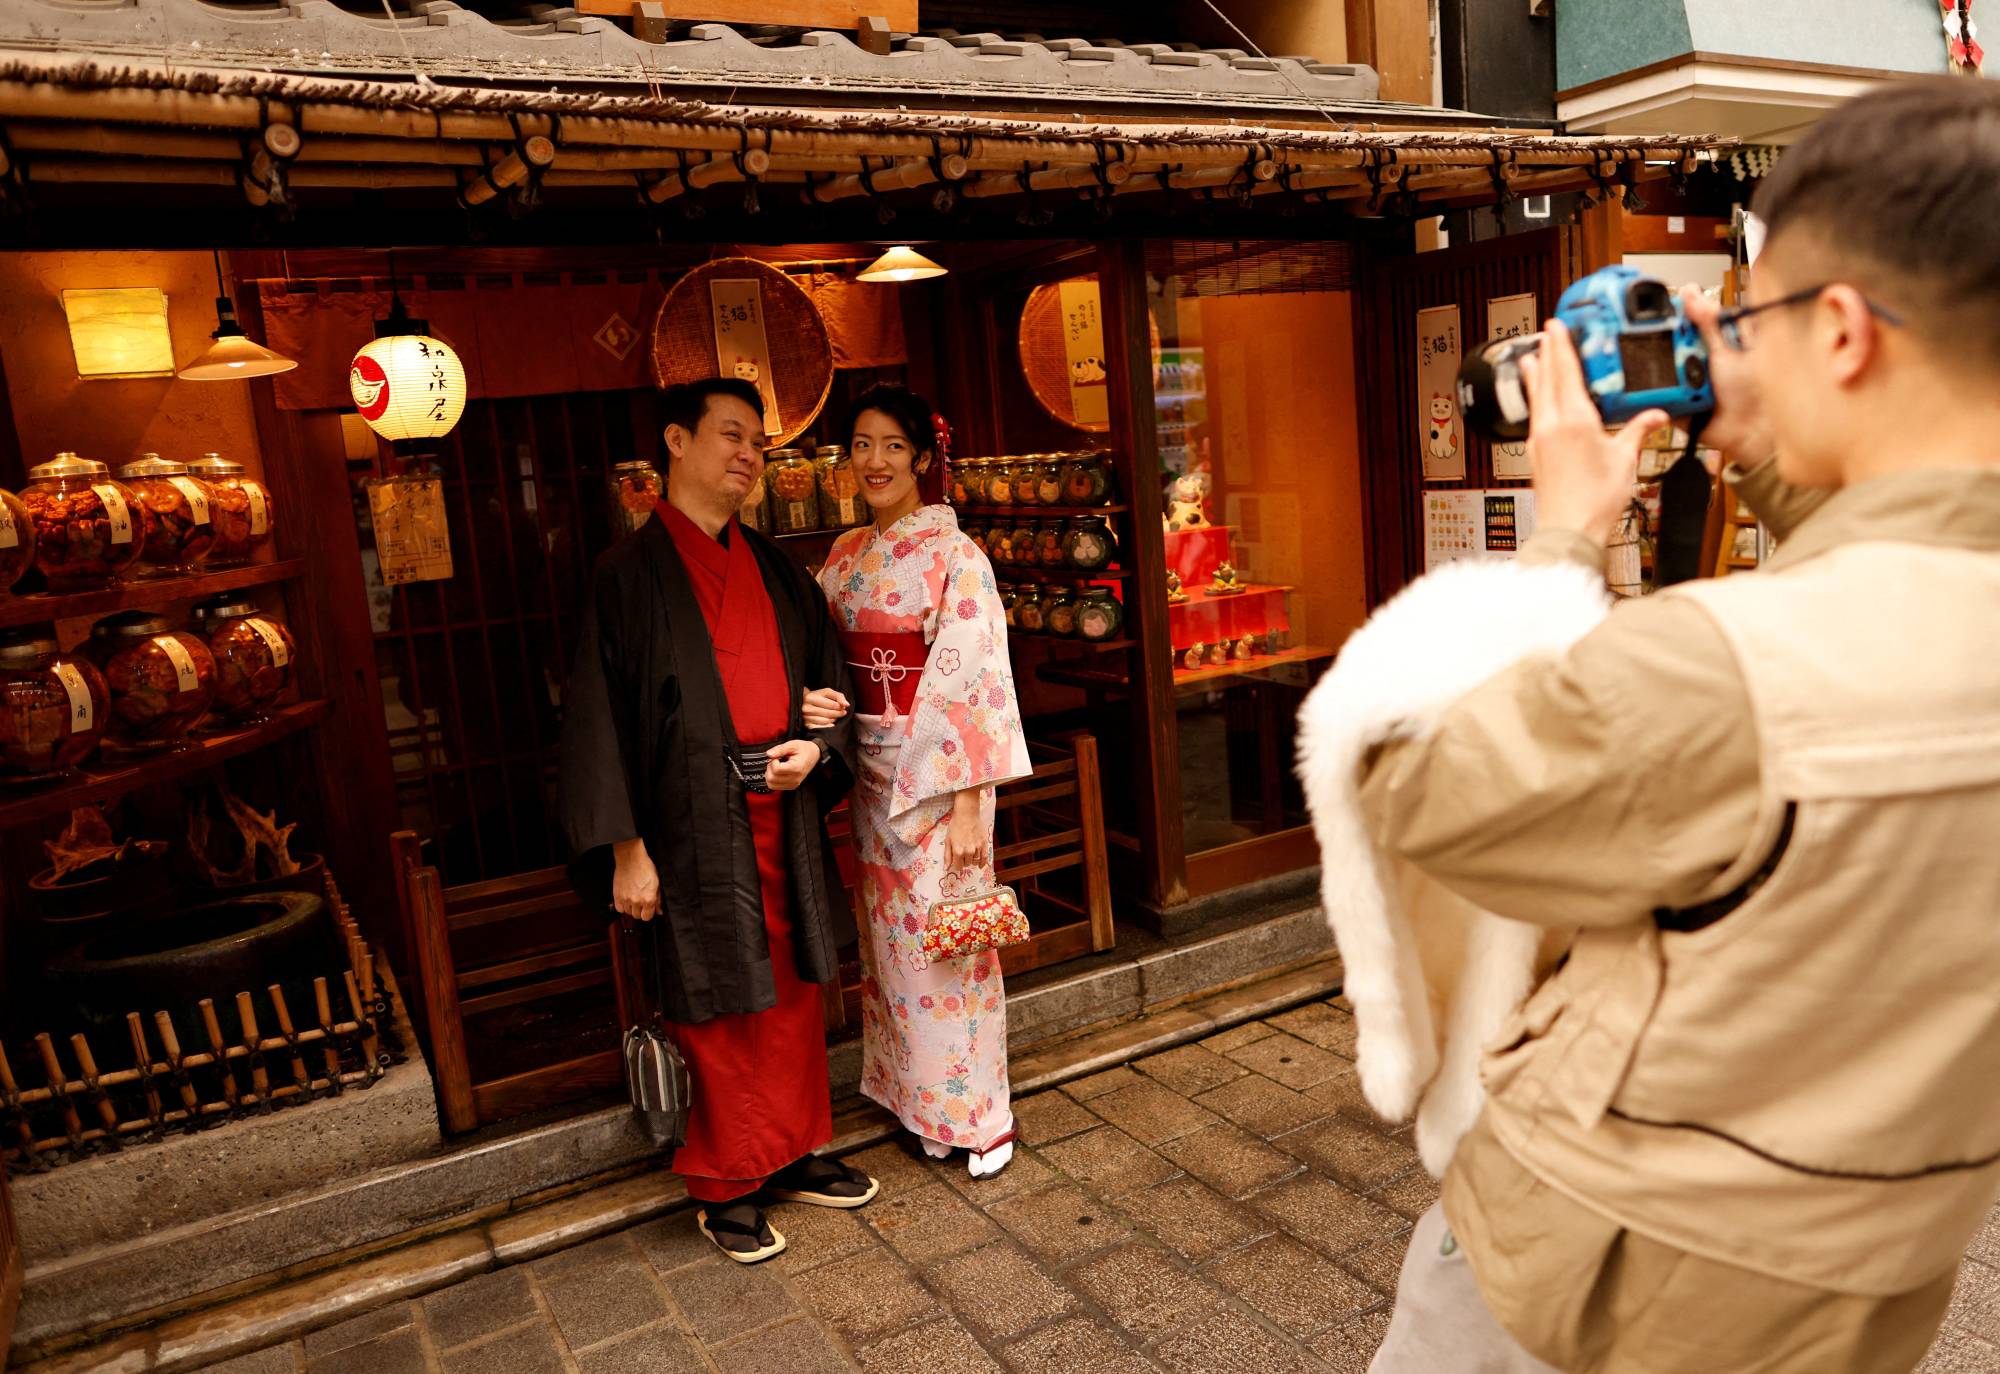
(1640, 352)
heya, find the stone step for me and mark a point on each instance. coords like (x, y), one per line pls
(1062, 1023)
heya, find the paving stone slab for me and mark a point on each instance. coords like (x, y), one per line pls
(1098, 1084)
(480, 1306)
(1380, 1266)
(936, 1347)
(1289, 1060)
(604, 1300)
(926, 1224)
(1410, 1195)
(1143, 1289)
(723, 1298)
(1321, 1024)
(1225, 1342)
(1151, 1113)
(1350, 1153)
(663, 1349)
(1985, 1246)
(1297, 1290)
(673, 1241)
(897, 1163)
(1024, 1173)
(1350, 1347)
(1194, 1220)
(1326, 1216)
(400, 1352)
(530, 1349)
(813, 1236)
(1236, 1036)
(1000, 1290)
(1080, 1345)
(1342, 1093)
(795, 1347)
(1060, 1224)
(865, 1297)
(1957, 1351)
(275, 1359)
(367, 1327)
(1190, 1070)
(1048, 1117)
(1262, 1107)
(603, 1250)
(1109, 1162)
(1231, 1160)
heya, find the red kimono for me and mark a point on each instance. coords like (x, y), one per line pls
(760, 1089)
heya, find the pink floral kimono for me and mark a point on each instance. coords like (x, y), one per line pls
(935, 713)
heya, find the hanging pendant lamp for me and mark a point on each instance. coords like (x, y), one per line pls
(901, 263)
(233, 356)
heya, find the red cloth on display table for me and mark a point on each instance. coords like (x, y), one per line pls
(760, 1091)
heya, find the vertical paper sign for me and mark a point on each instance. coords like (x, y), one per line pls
(1083, 342)
(1441, 435)
(741, 350)
(1510, 519)
(412, 540)
(1454, 526)
(1509, 317)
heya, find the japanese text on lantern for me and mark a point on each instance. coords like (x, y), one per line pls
(1441, 434)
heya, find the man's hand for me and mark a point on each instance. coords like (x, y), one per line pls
(789, 764)
(824, 708)
(635, 884)
(1583, 476)
(1739, 427)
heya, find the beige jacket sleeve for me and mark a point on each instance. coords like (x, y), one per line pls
(1587, 789)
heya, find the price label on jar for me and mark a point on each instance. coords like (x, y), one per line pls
(182, 660)
(10, 533)
(799, 515)
(115, 507)
(82, 716)
(260, 512)
(274, 641)
(197, 499)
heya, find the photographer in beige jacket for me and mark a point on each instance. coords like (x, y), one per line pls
(1753, 1119)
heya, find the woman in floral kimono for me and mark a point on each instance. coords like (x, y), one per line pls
(937, 728)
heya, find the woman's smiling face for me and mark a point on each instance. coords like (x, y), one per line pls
(885, 459)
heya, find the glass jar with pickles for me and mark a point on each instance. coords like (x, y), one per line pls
(1000, 482)
(794, 491)
(1099, 615)
(17, 541)
(89, 529)
(162, 680)
(1049, 544)
(1026, 479)
(1010, 602)
(755, 512)
(975, 530)
(1049, 480)
(180, 535)
(1027, 554)
(1086, 480)
(1028, 611)
(636, 489)
(1088, 543)
(1059, 612)
(958, 486)
(242, 512)
(53, 706)
(840, 503)
(253, 656)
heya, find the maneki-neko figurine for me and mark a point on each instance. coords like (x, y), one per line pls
(1225, 582)
(1175, 593)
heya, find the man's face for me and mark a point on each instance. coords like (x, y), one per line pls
(723, 458)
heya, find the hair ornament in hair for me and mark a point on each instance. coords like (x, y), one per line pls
(941, 432)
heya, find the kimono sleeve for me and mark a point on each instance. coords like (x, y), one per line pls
(598, 707)
(967, 727)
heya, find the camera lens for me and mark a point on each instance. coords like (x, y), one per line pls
(1697, 372)
(1648, 300)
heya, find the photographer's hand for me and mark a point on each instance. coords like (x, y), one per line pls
(1583, 476)
(1738, 428)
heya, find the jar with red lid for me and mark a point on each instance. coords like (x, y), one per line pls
(253, 656)
(162, 680)
(180, 535)
(88, 528)
(17, 541)
(242, 512)
(53, 706)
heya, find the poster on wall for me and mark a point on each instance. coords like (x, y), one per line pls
(741, 350)
(1509, 317)
(412, 536)
(1510, 518)
(1492, 522)
(1083, 344)
(1441, 432)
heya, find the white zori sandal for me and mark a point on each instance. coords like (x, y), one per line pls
(995, 1157)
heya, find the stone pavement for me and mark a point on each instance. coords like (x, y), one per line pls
(1225, 1206)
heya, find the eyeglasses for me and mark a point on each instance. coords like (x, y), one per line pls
(1730, 322)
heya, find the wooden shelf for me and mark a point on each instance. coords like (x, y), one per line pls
(105, 779)
(1249, 667)
(1035, 512)
(1009, 573)
(144, 592)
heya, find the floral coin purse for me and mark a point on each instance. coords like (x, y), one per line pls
(958, 926)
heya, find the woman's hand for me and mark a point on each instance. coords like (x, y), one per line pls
(965, 838)
(824, 708)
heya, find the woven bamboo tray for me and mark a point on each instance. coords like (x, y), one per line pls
(1045, 361)
(801, 356)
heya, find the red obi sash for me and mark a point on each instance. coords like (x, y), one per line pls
(885, 668)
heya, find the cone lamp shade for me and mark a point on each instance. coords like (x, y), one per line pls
(408, 387)
(901, 264)
(233, 357)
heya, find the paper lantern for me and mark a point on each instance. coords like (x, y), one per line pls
(408, 386)
(119, 332)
